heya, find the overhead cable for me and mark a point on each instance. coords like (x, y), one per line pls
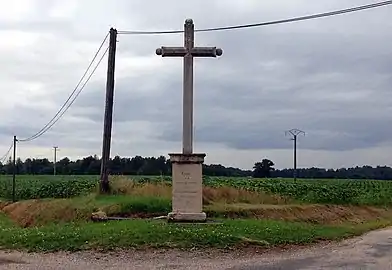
(66, 105)
(3, 158)
(296, 19)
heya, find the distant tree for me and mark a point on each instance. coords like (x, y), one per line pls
(19, 166)
(136, 164)
(263, 168)
(63, 166)
(161, 166)
(9, 166)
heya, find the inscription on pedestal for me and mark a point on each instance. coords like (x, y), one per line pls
(187, 188)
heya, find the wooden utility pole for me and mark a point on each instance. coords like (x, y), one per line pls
(55, 159)
(14, 171)
(107, 125)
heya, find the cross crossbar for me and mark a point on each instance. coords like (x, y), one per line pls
(172, 51)
(195, 52)
(206, 52)
(188, 52)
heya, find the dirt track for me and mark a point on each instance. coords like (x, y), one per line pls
(372, 251)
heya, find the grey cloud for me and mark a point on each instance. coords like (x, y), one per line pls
(271, 101)
(226, 114)
(329, 77)
(38, 26)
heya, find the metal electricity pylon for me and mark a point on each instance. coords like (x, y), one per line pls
(294, 133)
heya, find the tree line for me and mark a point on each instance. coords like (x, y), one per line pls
(161, 166)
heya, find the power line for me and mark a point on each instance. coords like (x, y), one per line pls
(296, 19)
(3, 159)
(53, 121)
(62, 107)
(43, 131)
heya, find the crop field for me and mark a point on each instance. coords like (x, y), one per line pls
(263, 212)
(325, 191)
(45, 186)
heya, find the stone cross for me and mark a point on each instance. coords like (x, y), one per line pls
(187, 171)
(188, 52)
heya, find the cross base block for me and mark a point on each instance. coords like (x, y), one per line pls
(187, 188)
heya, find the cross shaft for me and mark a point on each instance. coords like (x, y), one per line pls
(188, 52)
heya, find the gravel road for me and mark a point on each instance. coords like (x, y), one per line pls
(371, 251)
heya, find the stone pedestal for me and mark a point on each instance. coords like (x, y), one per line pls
(187, 185)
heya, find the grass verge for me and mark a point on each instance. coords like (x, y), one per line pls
(154, 234)
(46, 211)
(41, 212)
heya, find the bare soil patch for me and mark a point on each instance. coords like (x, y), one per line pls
(7, 261)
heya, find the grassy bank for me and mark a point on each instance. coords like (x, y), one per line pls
(221, 203)
(154, 234)
(130, 199)
(248, 217)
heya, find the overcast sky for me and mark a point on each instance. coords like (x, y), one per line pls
(330, 77)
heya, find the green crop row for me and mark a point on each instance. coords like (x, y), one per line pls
(360, 192)
(326, 191)
(334, 191)
(37, 187)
